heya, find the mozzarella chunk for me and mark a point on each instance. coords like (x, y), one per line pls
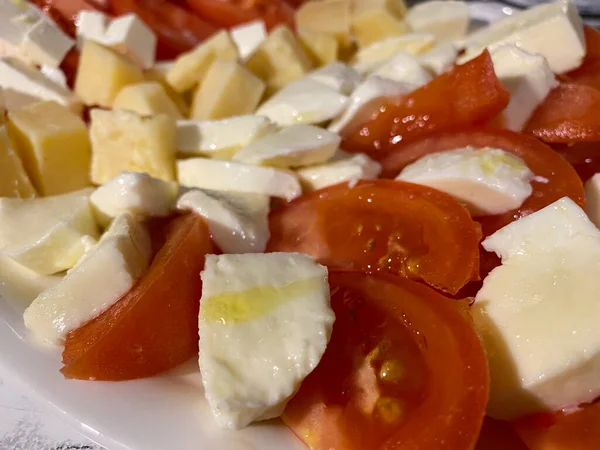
(527, 77)
(487, 180)
(91, 26)
(553, 30)
(47, 234)
(339, 76)
(248, 37)
(294, 146)
(405, 68)
(14, 181)
(342, 168)
(440, 58)
(55, 74)
(221, 138)
(238, 223)
(592, 197)
(235, 177)
(45, 43)
(538, 312)
(103, 275)
(16, 19)
(447, 20)
(133, 193)
(265, 321)
(133, 38)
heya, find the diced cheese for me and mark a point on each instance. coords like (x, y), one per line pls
(14, 181)
(321, 48)
(265, 321)
(592, 197)
(45, 43)
(236, 177)
(102, 73)
(103, 275)
(238, 223)
(342, 168)
(488, 181)
(375, 20)
(405, 68)
(527, 77)
(326, 16)
(146, 99)
(133, 38)
(221, 138)
(191, 67)
(294, 146)
(91, 26)
(440, 58)
(55, 74)
(157, 75)
(447, 20)
(248, 37)
(16, 19)
(339, 76)
(228, 89)
(125, 141)
(47, 234)
(54, 145)
(133, 193)
(553, 30)
(538, 312)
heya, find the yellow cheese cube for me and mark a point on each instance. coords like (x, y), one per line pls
(279, 59)
(191, 67)
(126, 141)
(227, 90)
(374, 20)
(322, 48)
(147, 99)
(327, 16)
(160, 76)
(368, 58)
(14, 182)
(54, 145)
(102, 73)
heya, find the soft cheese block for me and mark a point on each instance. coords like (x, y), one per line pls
(405, 68)
(447, 20)
(337, 75)
(14, 181)
(265, 321)
(248, 36)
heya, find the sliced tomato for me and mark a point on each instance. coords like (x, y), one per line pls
(154, 327)
(499, 435)
(470, 94)
(64, 12)
(383, 226)
(584, 157)
(404, 370)
(589, 71)
(228, 13)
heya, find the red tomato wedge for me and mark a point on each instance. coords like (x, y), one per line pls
(154, 327)
(470, 94)
(584, 157)
(404, 370)
(589, 71)
(228, 13)
(383, 226)
(562, 180)
(499, 435)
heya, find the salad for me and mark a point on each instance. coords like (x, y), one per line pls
(369, 220)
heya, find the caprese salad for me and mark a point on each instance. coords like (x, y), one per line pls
(365, 218)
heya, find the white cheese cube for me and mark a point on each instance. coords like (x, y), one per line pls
(238, 223)
(91, 26)
(135, 194)
(221, 138)
(487, 180)
(440, 58)
(538, 312)
(447, 20)
(265, 321)
(405, 68)
(592, 198)
(55, 74)
(294, 146)
(132, 37)
(339, 76)
(16, 19)
(103, 275)
(235, 177)
(45, 43)
(248, 37)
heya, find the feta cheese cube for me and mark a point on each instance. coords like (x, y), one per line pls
(132, 37)
(440, 58)
(45, 43)
(148, 98)
(405, 68)
(375, 20)
(91, 26)
(55, 74)
(339, 76)
(446, 20)
(14, 181)
(248, 37)
(592, 197)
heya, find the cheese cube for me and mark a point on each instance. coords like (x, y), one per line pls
(133, 193)
(191, 67)
(54, 145)
(538, 312)
(130, 36)
(375, 20)
(405, 68)
(103, 275)
(294, 146)
(14, 181)
(45, 43)
(326, 16)
(102, 73)
(248, 36)
(440, 58)
(228, 89)
(146, 99)
(321, 48)
(16, 19)
(55, 74)
(48, 234)
(259, 312)
(157, 75)
(279, 59)
(339, 76)
(235, 177)
(221, 138)
(592, 197)
(447, 20)
(125, 141)
(91, 26)
(238, 223)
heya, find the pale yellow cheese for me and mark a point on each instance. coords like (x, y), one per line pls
(54, 146)
(191, 67)
(374, 20)
(322, 48)
(14, 182)
(125, 141)
(148, 98)
(102, 73)
(158, 75)
(370, 57)
(228, 89)
(327, 16)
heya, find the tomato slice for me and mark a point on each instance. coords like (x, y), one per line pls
(383, 226)
(589, 71)
(470, 94)
(584, 157)
(404, 370)
(556, 177)
(499, 435)
(154, 327)
(228, 13)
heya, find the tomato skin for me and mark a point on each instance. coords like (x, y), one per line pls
(383, 226)
(584, 157)
(588, 73)
(386, 318)
(470, 94)
(499, 435)
(228, 13)
(154, 327)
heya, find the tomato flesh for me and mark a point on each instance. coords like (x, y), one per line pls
(499, 435)
(404, 370)
(589, 71)
(584, 157)
(154, 327)
(228, 13)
